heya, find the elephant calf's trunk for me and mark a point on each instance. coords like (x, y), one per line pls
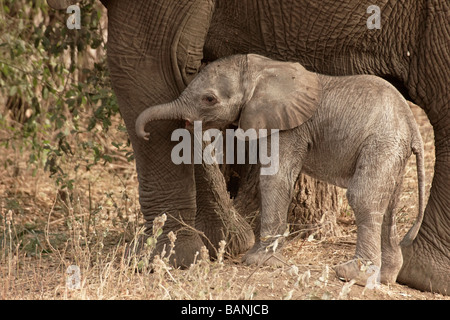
(141, 121)
(168, 111)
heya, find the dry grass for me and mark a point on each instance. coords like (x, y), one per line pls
(44, 231)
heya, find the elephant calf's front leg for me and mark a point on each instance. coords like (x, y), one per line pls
(276, 194)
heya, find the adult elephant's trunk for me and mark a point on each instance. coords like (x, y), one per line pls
(167, 111)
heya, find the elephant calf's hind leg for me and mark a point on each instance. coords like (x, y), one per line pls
(369, 194)
(391, 254)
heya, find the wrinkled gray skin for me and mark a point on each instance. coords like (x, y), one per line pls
(156, 47)
(356, 132)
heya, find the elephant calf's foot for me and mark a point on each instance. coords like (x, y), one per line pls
(364, 273)
(261, 256)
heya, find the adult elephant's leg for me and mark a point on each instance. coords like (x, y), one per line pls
(154, 47)
(426, 263)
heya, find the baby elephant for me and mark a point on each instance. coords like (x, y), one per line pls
(356, 132)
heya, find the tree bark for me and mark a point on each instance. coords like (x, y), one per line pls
(314, 208)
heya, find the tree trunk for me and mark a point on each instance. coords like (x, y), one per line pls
(314, 208)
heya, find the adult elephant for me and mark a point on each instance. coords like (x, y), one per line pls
(155, 47)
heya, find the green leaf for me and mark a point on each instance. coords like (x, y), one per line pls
(45, 93)
(151, 242)
(140, 266)
(12, 91)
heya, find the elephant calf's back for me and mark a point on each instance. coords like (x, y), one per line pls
(357, 114)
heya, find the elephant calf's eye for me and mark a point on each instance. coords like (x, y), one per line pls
(210, 100)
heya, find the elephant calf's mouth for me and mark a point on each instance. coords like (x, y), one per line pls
(203, 126)
(189, 125)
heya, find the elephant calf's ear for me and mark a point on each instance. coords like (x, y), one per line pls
(280, 95)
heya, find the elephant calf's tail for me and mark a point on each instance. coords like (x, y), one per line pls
(417, 149)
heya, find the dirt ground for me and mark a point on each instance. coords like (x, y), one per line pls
(44, 230)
